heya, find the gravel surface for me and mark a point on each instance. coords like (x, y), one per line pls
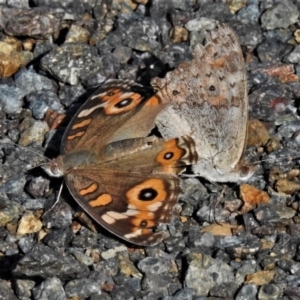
(227, 241)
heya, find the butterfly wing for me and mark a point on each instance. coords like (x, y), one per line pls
(119, 109)
(208, 97)
(133, 187)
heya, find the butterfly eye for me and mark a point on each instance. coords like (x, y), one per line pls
(168, 155)
(124, 103)
(212, 88)
(147, 194)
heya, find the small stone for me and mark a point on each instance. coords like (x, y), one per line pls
(200, 274)
(29, 81)
(81, 257)
(280, 15)
(24, 288)
(252, 196)
(294, 56)
(158, 283)
(44, 262)
(284, 72)
(128, 268)
(219, 229)
(72, 62)
(11, 99)
(51, 288)
(6, 292)
(77, 34)
(15, 186)
(179, 34)
(9, 64)
(84, 288)
(287, 186)
(60, 216)
(236, 5)
(224, 290)
(257, 133)
(29, 224)
(35, 133)
(200, 24)
(260, 277)
(36, 22)
(140, 45)
(297, 35)
(38, 186)
(266, 213)
(113, 252)
(151, 265)
(248, 292)
(9, 211)
(122, 54)
(270, 292)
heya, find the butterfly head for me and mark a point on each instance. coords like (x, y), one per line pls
(55, 167)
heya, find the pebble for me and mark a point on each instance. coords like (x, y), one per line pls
(29, 224)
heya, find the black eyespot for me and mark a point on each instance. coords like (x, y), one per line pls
(148, 194)
(175, 93)
(212, 88)
(143, 224)
(168, 155)
(124, 103)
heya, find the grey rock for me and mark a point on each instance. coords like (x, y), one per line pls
(60, 216)
(35, 132)
(11, 99)
(273, 50)
(224, 290)
(43, 262)
(24, 288)
(280, 15)
(247, 292)
(14, 187)
(156, 282)
(50, 289)
(205, 272)
(6, 293)
(81, 288)
(72, 63)
(58, 238)
(40, 23)
(185, 294)
(247, 267)
(154, 265)
(26, 243)
(294, 56)
(270, 292)
(250, 12)
(40, 102)
(29, 81)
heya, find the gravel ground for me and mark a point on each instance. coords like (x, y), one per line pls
(227, 241)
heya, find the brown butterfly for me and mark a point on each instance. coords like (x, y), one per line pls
(208, 101)
(123, 179)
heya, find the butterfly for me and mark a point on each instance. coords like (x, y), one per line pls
(124, 179)
(208, 101)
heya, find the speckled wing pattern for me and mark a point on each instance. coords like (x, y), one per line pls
(208, 101)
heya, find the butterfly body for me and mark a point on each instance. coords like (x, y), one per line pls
(123, 179)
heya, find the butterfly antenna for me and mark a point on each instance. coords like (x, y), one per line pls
(275, 159)
(30, 150)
